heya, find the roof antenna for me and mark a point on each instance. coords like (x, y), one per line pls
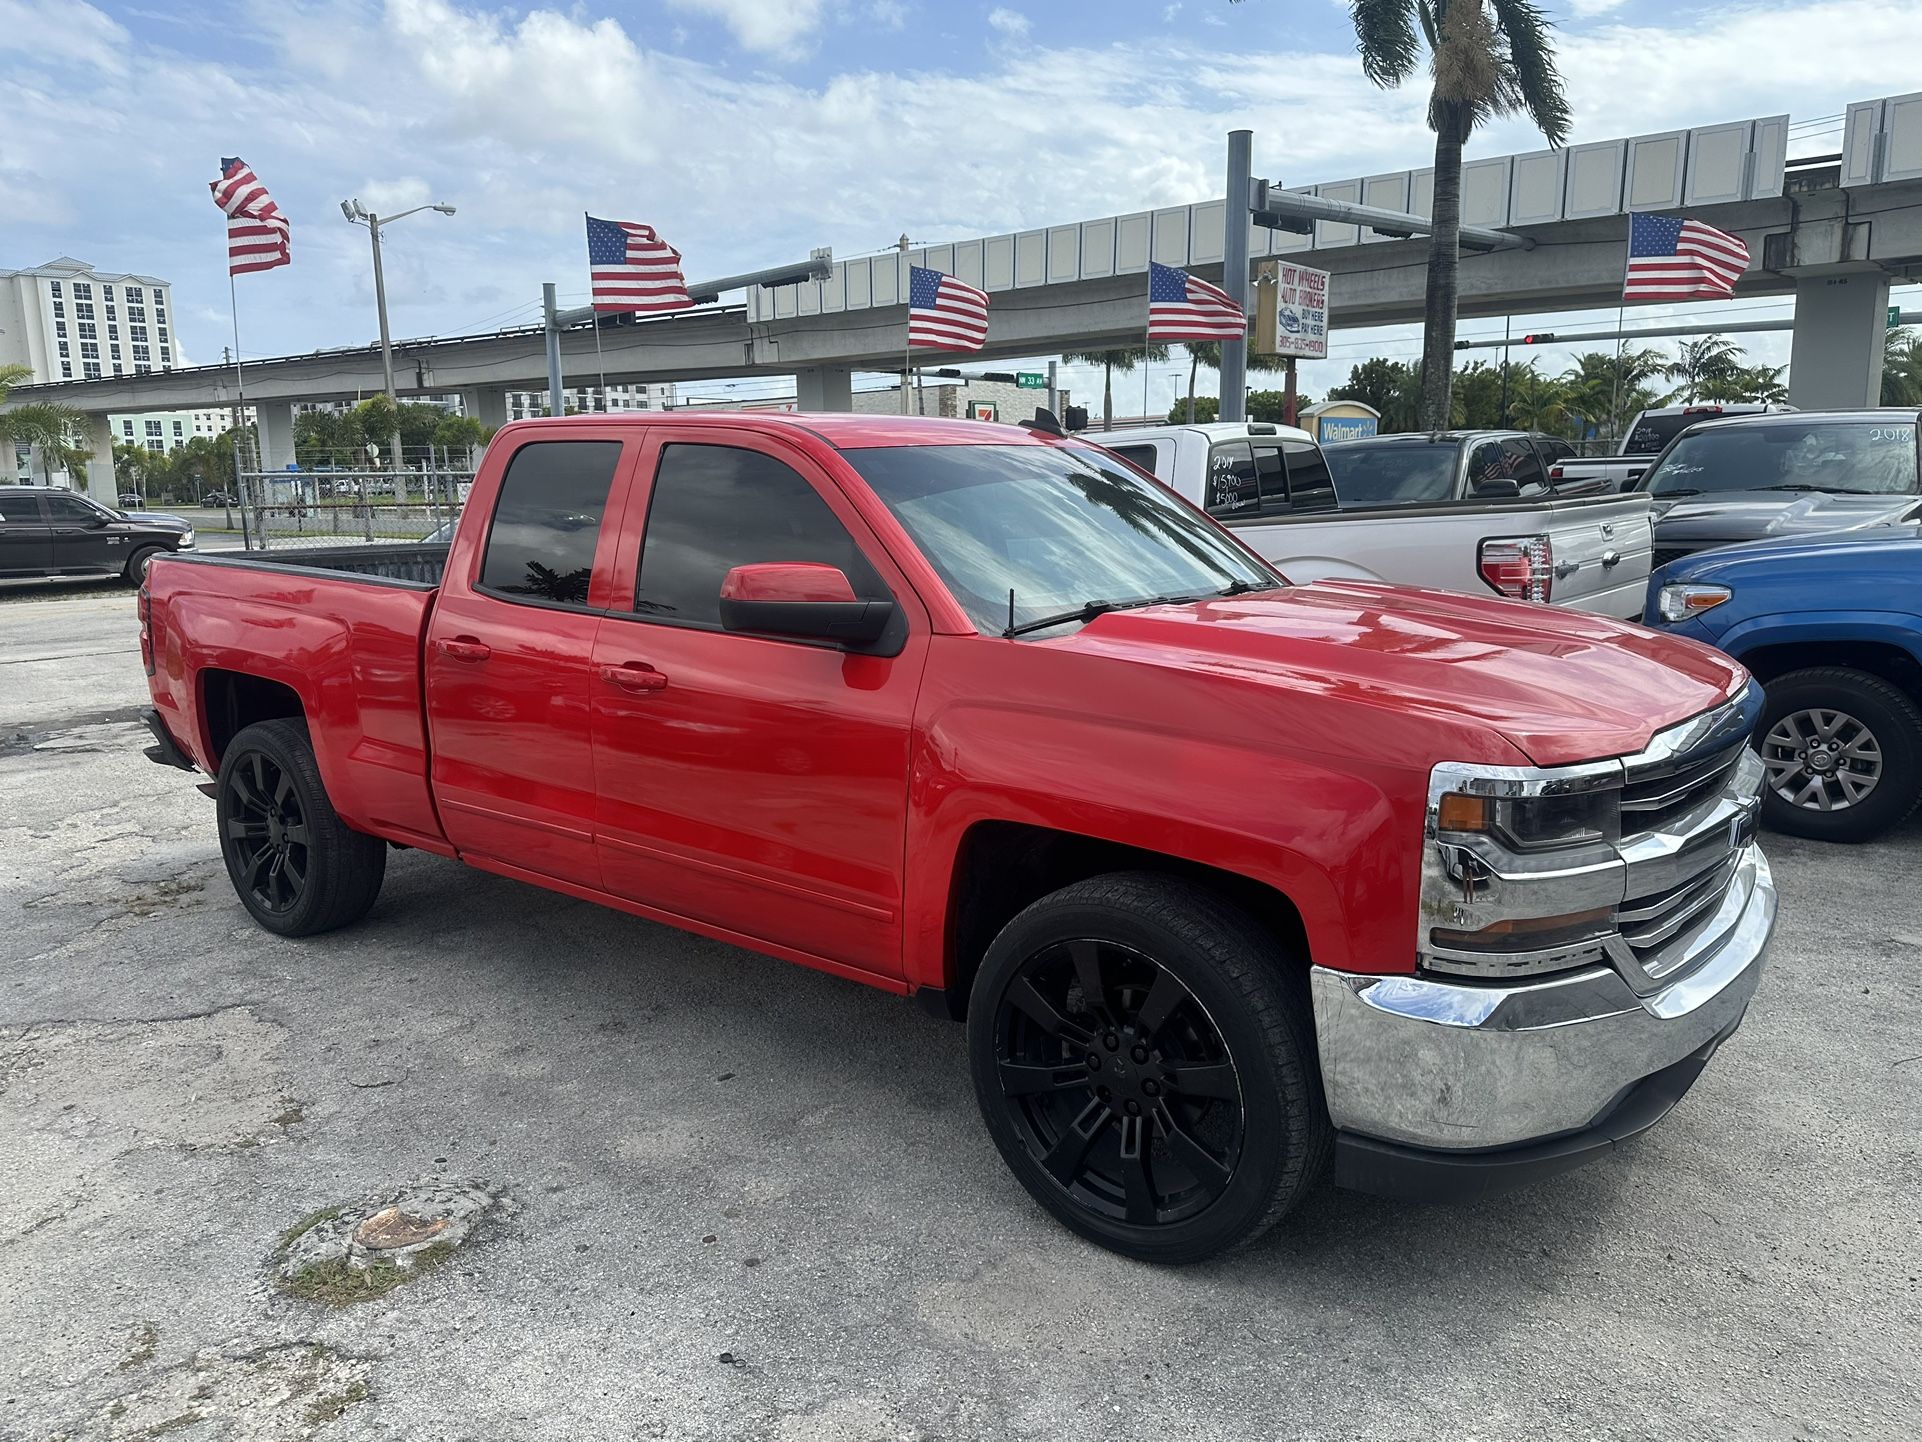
(1046, 422)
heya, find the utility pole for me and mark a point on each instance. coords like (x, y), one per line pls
(1234, 271)
(1054, 408)
(556, 405)
(360, 215)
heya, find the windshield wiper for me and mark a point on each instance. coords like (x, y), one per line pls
(1801, 486)
(1678, 491)
(1242, 588)
(1089, 610)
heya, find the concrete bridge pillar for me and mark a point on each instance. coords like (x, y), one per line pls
(489, 407)
(825, 388)
(274, 421)
(97, 436)
(1835, 355)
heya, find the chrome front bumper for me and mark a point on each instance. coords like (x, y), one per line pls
(1459, 1066)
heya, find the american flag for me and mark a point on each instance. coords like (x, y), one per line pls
(945, 313)
(256, 230)
(631, 268)
(1180, 307)
(1672, 259)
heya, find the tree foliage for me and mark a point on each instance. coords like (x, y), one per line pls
(1121, 358)
(1901, 368)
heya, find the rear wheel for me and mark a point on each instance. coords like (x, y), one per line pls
(1843, 750)
(1144, 1059)
(296, 866)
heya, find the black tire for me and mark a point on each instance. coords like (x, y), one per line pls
(136, 568)
(1229, 1066)
(1880, 736)
(296, 866)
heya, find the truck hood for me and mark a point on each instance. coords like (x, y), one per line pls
(1761, 515)
(1558, 685)
(1864, 560)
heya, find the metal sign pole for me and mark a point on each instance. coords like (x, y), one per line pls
(1234, 271)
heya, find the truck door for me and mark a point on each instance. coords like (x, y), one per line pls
(26, 535)
(509, 652)
(82, 538)
(754, 784)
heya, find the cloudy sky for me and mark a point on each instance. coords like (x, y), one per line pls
(752, 130)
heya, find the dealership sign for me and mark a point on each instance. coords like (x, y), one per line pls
(1299, 310)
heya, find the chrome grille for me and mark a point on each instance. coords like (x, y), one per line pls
(1650, 923)
(1653, 796)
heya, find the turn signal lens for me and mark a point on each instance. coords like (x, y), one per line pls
(1459, 812)
(1684, 599)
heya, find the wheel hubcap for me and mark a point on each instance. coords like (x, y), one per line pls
(1119, 1083)
(266, 833)
(1822, 760)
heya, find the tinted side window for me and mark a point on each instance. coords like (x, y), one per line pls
(1310, 487)
(1143, 456)
(1485, 463)
(67, 511)
(1522, 465)
(718, 507)
(1274, 480)
(547, 520)
(1234, 486)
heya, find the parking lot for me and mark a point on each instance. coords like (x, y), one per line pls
(741, 1199)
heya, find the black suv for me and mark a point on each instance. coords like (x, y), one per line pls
(61, 533)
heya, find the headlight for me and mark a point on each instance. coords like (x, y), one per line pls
(186, 540)
(1683, 599)
(1534, 823)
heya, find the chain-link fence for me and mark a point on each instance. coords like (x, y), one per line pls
(279, 510)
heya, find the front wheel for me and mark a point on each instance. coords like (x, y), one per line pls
(296, 866)
(1843, 750)
(136, 568)
(1143, 1056)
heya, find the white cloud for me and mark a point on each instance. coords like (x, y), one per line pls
(1588, 9)
(888, 14)
(768, 26)
(1011, 23)
(525, 121)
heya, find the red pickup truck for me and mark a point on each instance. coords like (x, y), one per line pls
(1226, 876)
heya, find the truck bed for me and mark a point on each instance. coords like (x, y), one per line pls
(408, 563)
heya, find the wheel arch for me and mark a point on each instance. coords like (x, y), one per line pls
(1897, 661)
(1001, 867)
(231, 701)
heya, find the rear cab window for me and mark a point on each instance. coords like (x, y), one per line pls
(1234, 483)
(547, 521)
(1144, 456)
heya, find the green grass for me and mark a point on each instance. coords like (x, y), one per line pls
(301, 1228)
(331, 1406)
(334, 1283)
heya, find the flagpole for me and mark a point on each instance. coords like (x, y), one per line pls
(903, 281)
(600, 364)
(240, 409)
(1621, 313)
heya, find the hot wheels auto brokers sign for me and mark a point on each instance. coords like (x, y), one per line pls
(1301, 312)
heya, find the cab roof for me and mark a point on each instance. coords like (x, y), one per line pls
(844, 430)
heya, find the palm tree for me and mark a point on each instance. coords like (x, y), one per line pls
(1604, 389)
(1702, 365)
(1208, 353)
(1901, 368)
(1756, 383)
(50, 427)
(1487, 57)
(1123, 359)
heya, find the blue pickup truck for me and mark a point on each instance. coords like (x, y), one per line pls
(1832, 627)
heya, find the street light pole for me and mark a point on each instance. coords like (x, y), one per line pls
(360, 215)
(380, 304)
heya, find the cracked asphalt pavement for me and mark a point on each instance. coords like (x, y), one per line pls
(714, 1155)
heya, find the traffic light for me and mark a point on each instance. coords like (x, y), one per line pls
(1539, 338)
(1075, 418)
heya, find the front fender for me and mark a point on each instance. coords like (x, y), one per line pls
(1892, 628)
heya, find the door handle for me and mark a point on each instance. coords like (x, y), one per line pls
(1611, 559)
(465, 648)
(634, 676)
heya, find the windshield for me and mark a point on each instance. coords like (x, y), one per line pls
(1058, 527)
(1397, 474)
(1848, 457)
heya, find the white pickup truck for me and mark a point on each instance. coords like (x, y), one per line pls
(1272, 485)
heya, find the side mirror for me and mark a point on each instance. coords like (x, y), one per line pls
(1499, 488)
(95, 521)
(804, 599)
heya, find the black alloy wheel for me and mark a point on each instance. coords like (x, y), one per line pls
(1119, 1081)
(1143, 1055)
(267, 831)
(296, 866)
